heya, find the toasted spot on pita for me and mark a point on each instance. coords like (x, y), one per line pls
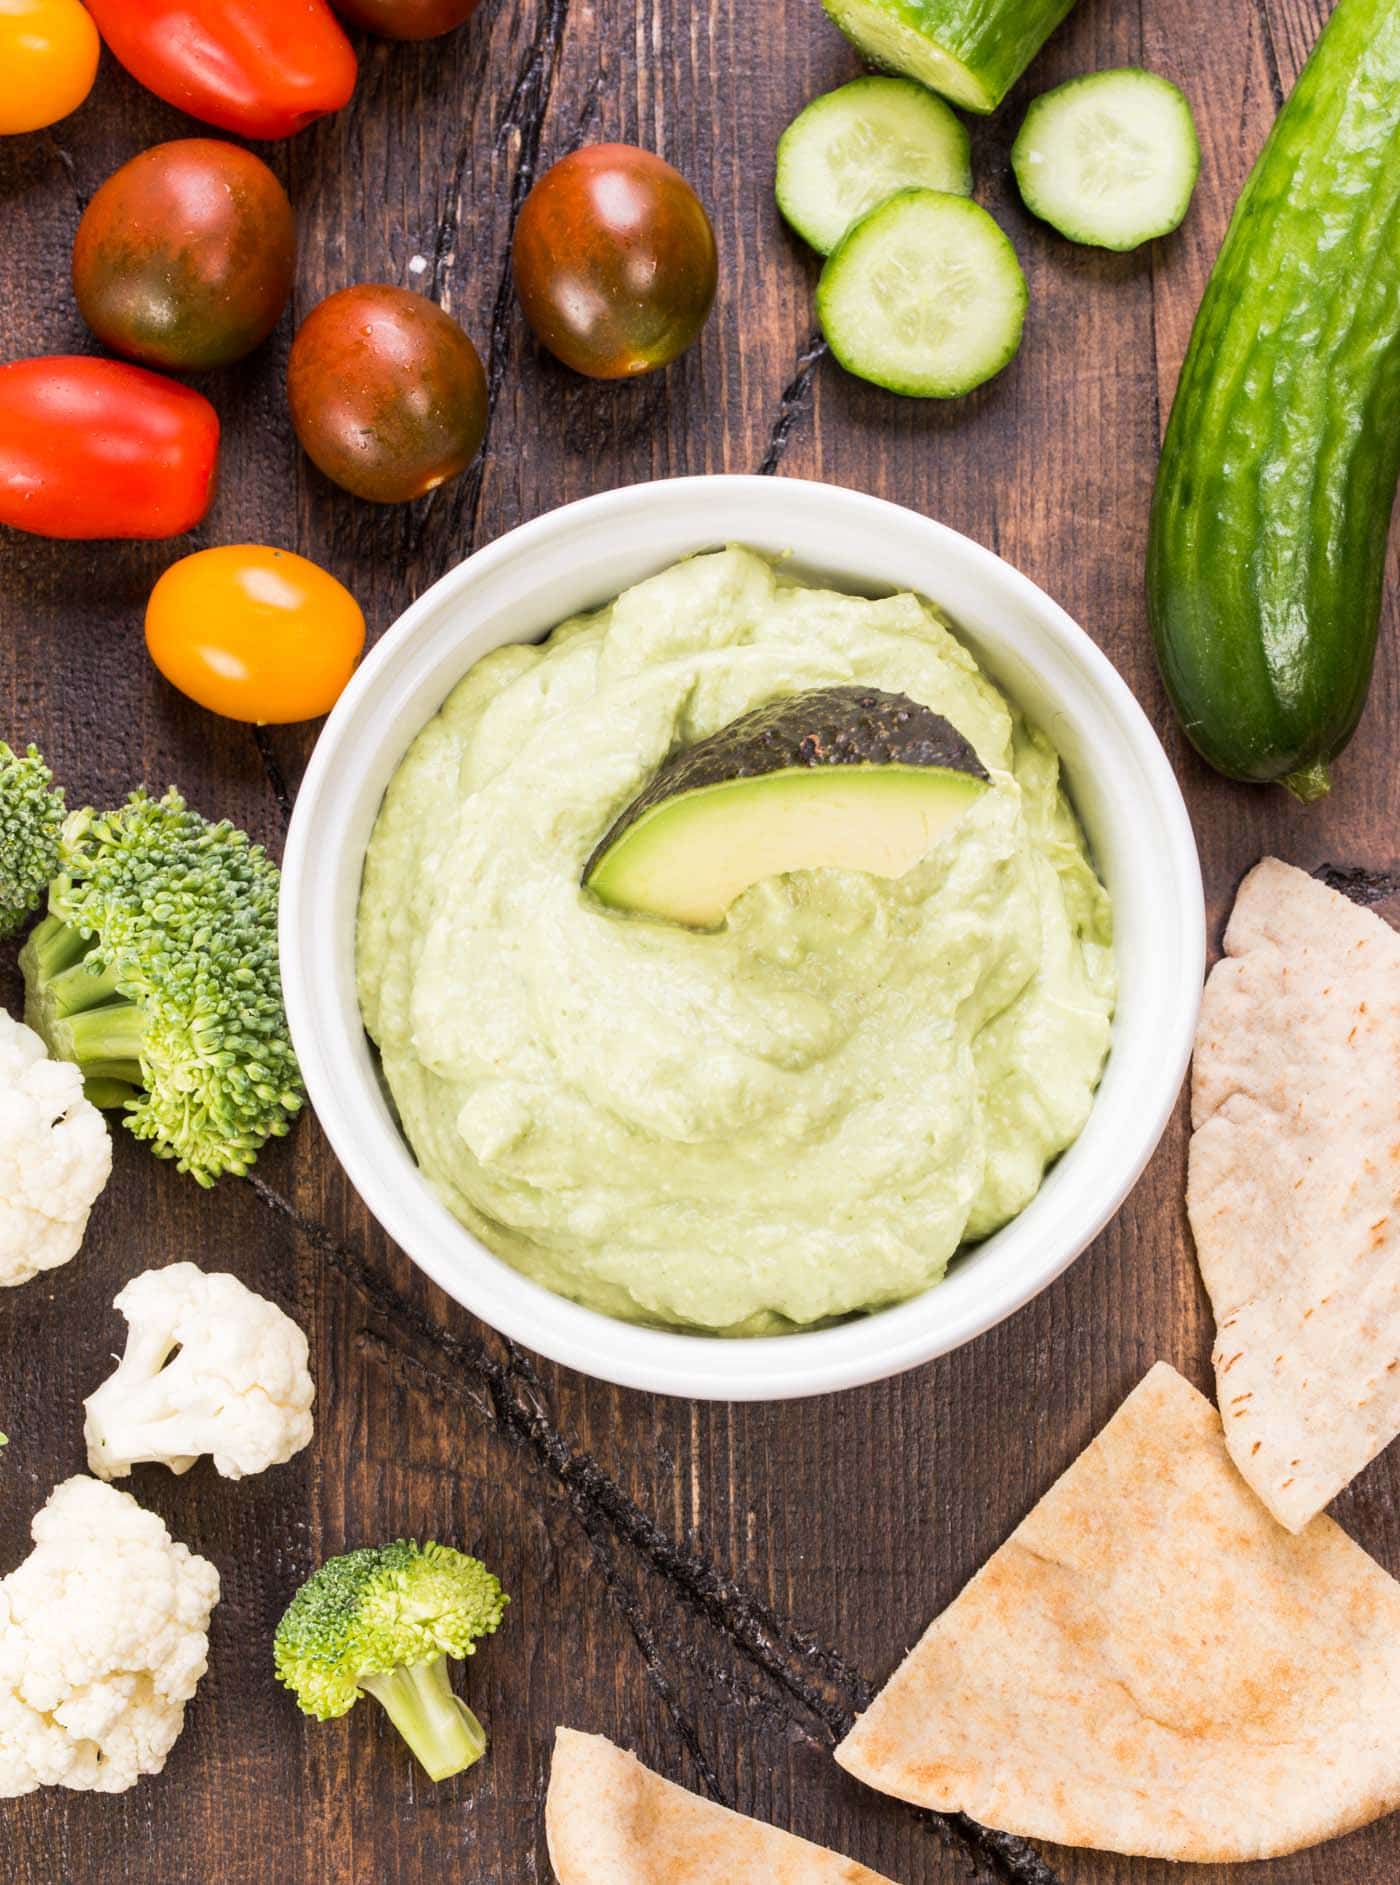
(1151, 1665)
(611, 1821)
(1294, 1182)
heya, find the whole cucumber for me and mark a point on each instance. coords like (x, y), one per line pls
(1266, 553)
(971, 51)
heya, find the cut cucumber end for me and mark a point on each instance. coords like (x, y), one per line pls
(854, 147)
(1310, 783)
(877, 30)
(1110, 159)
(924, 297)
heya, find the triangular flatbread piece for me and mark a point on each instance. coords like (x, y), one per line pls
(1294, 1187)
(611, 1821)
(1151, 1665)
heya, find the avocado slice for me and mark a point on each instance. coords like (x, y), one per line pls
(844, 777)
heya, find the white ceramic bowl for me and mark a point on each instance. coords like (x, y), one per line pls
(1121, 783)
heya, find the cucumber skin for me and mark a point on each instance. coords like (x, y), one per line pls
(995, 40)
(1266, 549)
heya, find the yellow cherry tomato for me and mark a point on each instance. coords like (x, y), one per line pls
(48, 60)
(254, 634)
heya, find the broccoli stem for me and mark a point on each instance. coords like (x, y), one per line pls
(436, 1723)
(81, 1014)
(104, 1043)
(53, 947)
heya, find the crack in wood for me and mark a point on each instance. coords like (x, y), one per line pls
(979, 1851)
(792, 403)
(64, 158)
(524, 119)
(621, 1595)
(644, 1637)
(1157, 419)
(519, 1409)
(623, 1598)
(450, 221)
(524, 114)
(746, 1697)
(1361, 882)
(786, 1654)
(1276, 87)
(276, 778)
(965, 1840)
(817, 1678)
(587, 112)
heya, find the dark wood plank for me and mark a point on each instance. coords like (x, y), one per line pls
(722, 1585)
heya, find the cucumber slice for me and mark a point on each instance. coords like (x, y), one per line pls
(853, 147)
(972, 51)
(924, 296)
(1109, 159)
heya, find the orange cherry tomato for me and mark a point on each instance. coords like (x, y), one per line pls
(48, 60)
(254, 634)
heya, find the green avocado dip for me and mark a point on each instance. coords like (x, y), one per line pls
(801, 1113)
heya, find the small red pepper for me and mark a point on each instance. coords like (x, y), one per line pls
(96, 448)
(262, 68)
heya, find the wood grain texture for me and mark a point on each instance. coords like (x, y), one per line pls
(718, 1588)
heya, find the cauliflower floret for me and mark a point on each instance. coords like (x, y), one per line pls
(103, 1639)
(55, 1156)
(209, 1367)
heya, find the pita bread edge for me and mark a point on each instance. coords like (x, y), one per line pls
(1062, 1733)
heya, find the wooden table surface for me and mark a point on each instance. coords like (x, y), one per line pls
(716, 1587)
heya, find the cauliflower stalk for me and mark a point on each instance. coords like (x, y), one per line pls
(55, 1156)
(209, 1367)
(103, 1639)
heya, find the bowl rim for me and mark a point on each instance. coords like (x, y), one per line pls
(339, 1073)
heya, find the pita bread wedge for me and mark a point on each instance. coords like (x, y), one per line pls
(1151, 1665)
(611, 1821)
(1294, 1186)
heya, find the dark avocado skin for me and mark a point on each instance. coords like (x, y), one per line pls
(829, 726)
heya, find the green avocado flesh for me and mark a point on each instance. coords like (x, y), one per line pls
(845, 778)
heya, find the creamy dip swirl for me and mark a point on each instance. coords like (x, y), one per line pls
(802, 1114)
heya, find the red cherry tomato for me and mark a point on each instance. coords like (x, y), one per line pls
(184, 257)
(263, 68)
(406, 19)
(96, 448)
(254, 634)
(614, 261)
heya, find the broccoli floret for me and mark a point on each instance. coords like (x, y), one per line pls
(156, 973)
(31, 816)
(384, 1620)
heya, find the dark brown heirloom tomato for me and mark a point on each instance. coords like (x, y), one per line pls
(614, 261)
(406, 19)
(387, 392)
(184, 257)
